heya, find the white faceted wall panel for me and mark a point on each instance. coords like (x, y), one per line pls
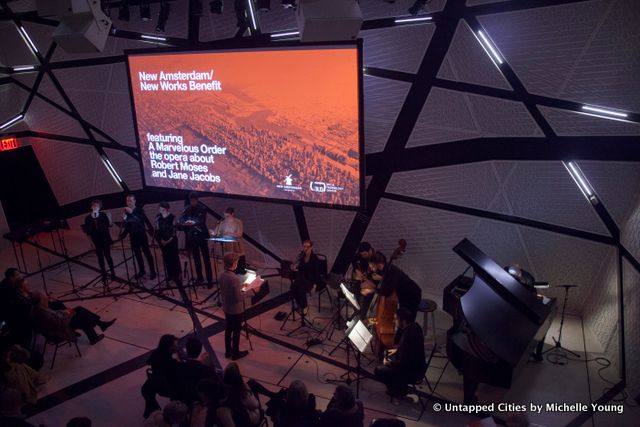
(545, 191)
(327, 230)
(127, 167)
(45, 118)
(632, 326)
(15, 97)
(446, 116)
(473, 185)
(468, 62)
(503, 243)
(374, 9)
(568, 123)
(74, 171)
(497, 117)
(564, 260)
(20, 53)
(382, 102)
(398, 48)
(278, 19)
(614, 182)
(585, 51)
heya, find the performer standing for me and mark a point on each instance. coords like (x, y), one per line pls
(135, 223)
(168, 241)
(231, 294)
(232, 226)
(96, 226)
(194, 218)
(307, 270)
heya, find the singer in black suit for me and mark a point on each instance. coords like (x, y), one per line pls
(194, 218)
(307, 273)
(135, 223)
(168, 241)
(96, 226)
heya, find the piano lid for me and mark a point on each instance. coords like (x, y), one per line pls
(502, 327)
(502, 282)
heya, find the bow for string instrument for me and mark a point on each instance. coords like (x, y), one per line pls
(386, 307)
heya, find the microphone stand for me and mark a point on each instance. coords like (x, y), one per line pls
(558, 349)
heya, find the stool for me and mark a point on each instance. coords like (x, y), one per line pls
(428, 309)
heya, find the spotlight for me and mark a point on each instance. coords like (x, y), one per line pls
(123, 12)
(145, 11)
(165, 9)
(216, 6)
(289, 4)
(196, 7)
(418, 6)
(264, 5)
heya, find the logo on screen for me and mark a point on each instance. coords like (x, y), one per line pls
(288, 180)
(318, 186)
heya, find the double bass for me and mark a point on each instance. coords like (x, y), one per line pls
(386, 308)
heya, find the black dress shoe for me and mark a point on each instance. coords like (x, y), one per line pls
(227, 355)
(96, 339)
(239, 355)
(106, 325)
(153, 275)
(139, 275)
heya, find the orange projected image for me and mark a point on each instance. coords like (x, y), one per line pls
(280, 124)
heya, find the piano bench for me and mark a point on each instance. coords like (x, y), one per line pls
(428, 309)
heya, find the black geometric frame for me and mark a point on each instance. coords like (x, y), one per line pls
(395, 157)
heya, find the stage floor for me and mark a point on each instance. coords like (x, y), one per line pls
(104, 383)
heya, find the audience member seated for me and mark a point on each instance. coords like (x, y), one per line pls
(15, 309)
(79, 422)
(407, 363)
(161, 378)
(210, 394)
(20, 376)
(63, 323)
(343, 410)
(241, 407)
(10, 407)
(173, 414)
(192, 370)
(298, 408)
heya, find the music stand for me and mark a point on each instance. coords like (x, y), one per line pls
(558, 348)
(260, 288)
(359, 339)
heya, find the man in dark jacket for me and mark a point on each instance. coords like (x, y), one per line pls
(96, 226)
(135, 224)
(407, 363)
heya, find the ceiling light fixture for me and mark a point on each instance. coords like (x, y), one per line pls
(28, 40)
(604, 113)
(11, 121)
(413, 20)
(285, 34)
(581, 181)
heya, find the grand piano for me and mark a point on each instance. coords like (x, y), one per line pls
(497, 322)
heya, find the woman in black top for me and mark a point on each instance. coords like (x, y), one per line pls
(161, 378)
(168, 241)
(343, 409)
(96, 226)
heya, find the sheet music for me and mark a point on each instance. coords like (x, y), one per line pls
(350, 297)
(251, 281)
(360, 336)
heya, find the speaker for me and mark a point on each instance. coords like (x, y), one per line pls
(85, 32)
(328, 20)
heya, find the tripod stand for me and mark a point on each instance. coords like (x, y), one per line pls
(558, 350)
(304, 323)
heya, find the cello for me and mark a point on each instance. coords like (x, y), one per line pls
(386, 309)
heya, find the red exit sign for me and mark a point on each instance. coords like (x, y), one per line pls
(8, 144)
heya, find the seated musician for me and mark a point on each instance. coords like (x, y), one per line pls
(406, 364)
(361, 273)
(307, 275)
(393, 279)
